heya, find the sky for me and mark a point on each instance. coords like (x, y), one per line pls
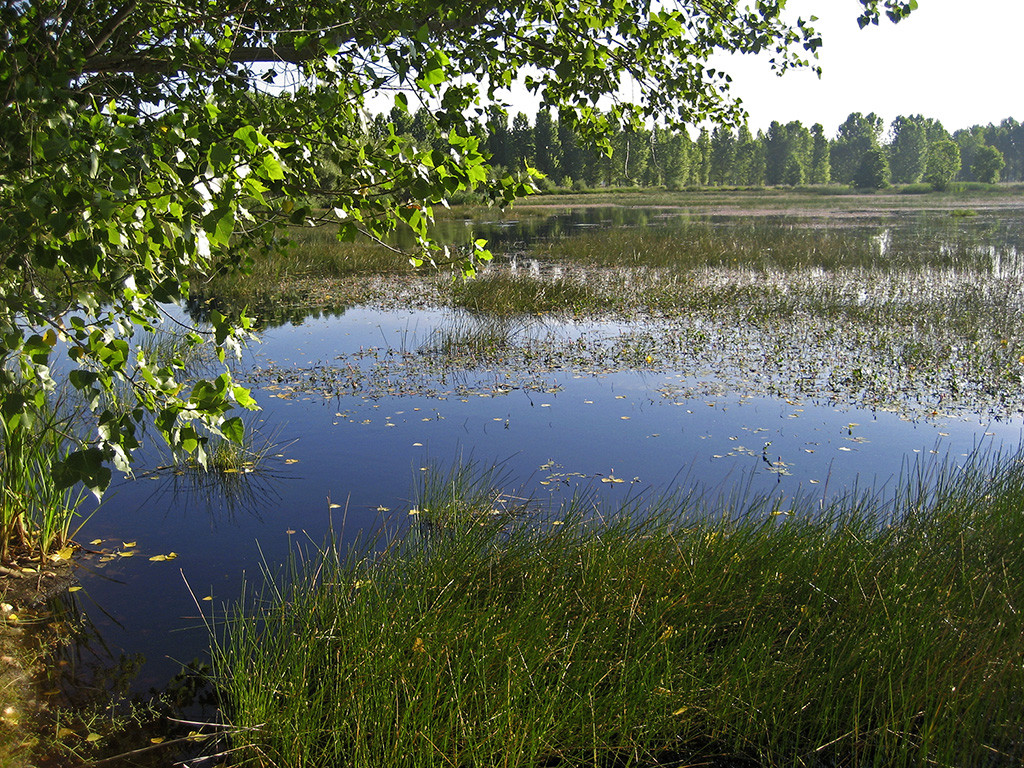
(959, 62)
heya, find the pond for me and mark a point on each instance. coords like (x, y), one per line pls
(357, 406)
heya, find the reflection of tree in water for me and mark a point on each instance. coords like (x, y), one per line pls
(272, 307)
(88, 689)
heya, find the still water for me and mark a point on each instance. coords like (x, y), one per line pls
(345, 461)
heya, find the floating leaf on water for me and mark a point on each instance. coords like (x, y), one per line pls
(334, 506)
(624, 418)
(164, 558)
(94, 542)
(382, 508)
(74, 589)
(414, 511)
(129, 544)
(291, 461)
(64, 554)
(844, 448)
(208, 598)
(126, 554)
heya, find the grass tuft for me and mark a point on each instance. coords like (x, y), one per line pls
(875, 631)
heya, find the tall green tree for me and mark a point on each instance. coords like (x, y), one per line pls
(943, 163)
(821, 166)
(520, 138)
(671, 157)
(746, 164)
(723, 155)
(547, 151)
(135, 155)
(873, 171)
(702, 158)
(908, 151)
(988, 162)
(858, 134)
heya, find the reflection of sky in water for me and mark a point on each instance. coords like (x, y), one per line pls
(364, 455)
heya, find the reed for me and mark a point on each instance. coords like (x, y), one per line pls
(37, 517)
(672, 630)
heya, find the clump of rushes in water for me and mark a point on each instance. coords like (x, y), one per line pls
(669, 631)
(37, 516)
(501, 292)
(472, 339)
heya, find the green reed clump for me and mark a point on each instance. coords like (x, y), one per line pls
(503, 293)
(472, 339)
(37, 516)
(867, 632)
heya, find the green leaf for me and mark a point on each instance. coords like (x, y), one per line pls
(233, 429)
(84, 466)
(272, 168)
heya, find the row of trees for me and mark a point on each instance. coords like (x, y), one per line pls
(863, 153)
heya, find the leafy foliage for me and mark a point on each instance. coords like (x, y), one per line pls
(943, 163)
(143, 144)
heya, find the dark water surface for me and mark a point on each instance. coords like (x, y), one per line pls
(352, 463)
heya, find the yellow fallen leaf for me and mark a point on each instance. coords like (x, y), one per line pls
(93, 738)
(73, 589)
(335, 506)
(157, 740)
(94, 542)
(291, 461)
(126, 554)
(129, 544)
(208, 598)
(64, 554)
(163, 558)
(418, 646)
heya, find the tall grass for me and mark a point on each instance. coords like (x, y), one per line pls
(502, 293)
(669, 631)
(37, 517)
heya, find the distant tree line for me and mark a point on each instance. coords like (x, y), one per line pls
(863, 153)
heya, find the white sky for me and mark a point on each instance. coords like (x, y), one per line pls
(959, 61)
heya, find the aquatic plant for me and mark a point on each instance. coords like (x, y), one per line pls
(502, 293)
(668, 630)
(37, 515)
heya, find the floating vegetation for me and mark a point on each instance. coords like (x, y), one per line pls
(913, 314)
